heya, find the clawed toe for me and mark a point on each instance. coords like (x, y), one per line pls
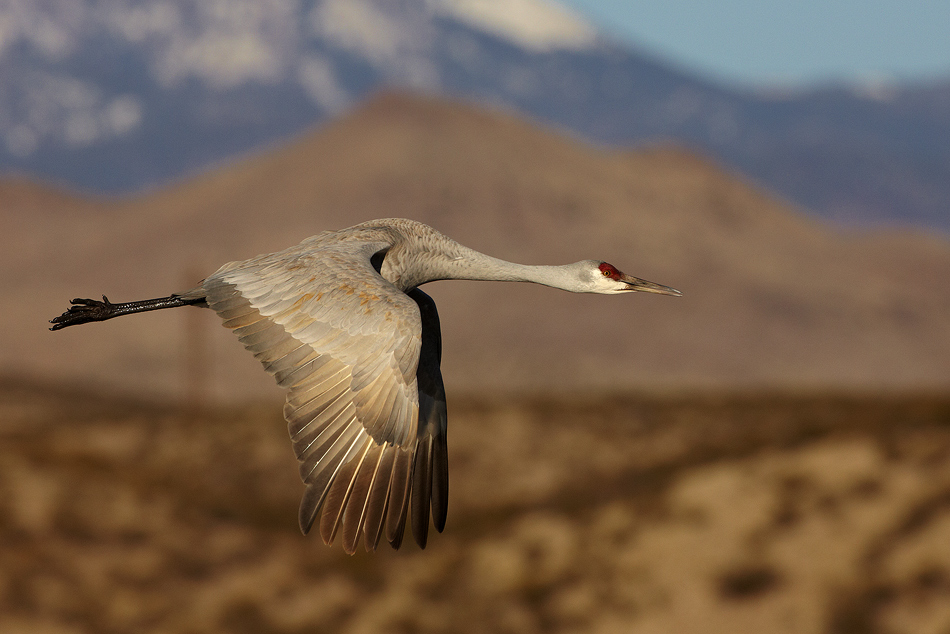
(79, 301)
(82, 311)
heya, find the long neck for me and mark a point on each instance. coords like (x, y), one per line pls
(478, 266)
(457, 262)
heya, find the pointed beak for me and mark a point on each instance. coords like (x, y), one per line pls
(636, 284)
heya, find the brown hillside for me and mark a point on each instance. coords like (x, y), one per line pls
(772, 298)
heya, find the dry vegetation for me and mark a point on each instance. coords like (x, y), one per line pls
(637, 513)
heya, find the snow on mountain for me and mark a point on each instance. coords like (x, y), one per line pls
(536, 25)
(120, 95)
(55, 89)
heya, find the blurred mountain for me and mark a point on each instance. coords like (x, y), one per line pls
(772, 298)
(129, 94)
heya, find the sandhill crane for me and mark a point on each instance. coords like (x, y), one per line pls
(340, 321)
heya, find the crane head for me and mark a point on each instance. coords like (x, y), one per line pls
(608, 279)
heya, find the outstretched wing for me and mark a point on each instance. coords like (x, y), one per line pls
(347, 344)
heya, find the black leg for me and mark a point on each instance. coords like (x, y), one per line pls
(84, 311)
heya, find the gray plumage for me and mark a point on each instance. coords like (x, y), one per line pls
(339, 321)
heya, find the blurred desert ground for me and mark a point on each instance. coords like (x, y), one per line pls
(637, 513)
(768, 453)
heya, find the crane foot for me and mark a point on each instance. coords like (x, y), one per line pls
(84, 311)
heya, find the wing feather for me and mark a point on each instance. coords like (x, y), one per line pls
(398, 498)
(440, 480)
(298, 373)
(341, 489)
(378, 499)
(250, 329)
(309, 394)
(271, 344)
(326, 468)
(242, 319)
(421, 490)
(335, 404)
(354, 515)
(316, 449)
(282, 367)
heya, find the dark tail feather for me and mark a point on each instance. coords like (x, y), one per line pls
(421, 489)
(440, 481)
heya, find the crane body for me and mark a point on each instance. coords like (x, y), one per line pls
(340, 322)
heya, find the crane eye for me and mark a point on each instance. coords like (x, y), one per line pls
(609, 271)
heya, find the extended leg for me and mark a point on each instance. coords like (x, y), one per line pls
(85, 310)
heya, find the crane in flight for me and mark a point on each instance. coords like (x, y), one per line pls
(339, 320)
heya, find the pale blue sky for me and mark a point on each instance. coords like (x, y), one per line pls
(790, 42)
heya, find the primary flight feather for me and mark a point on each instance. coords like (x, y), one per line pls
(339, 321)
